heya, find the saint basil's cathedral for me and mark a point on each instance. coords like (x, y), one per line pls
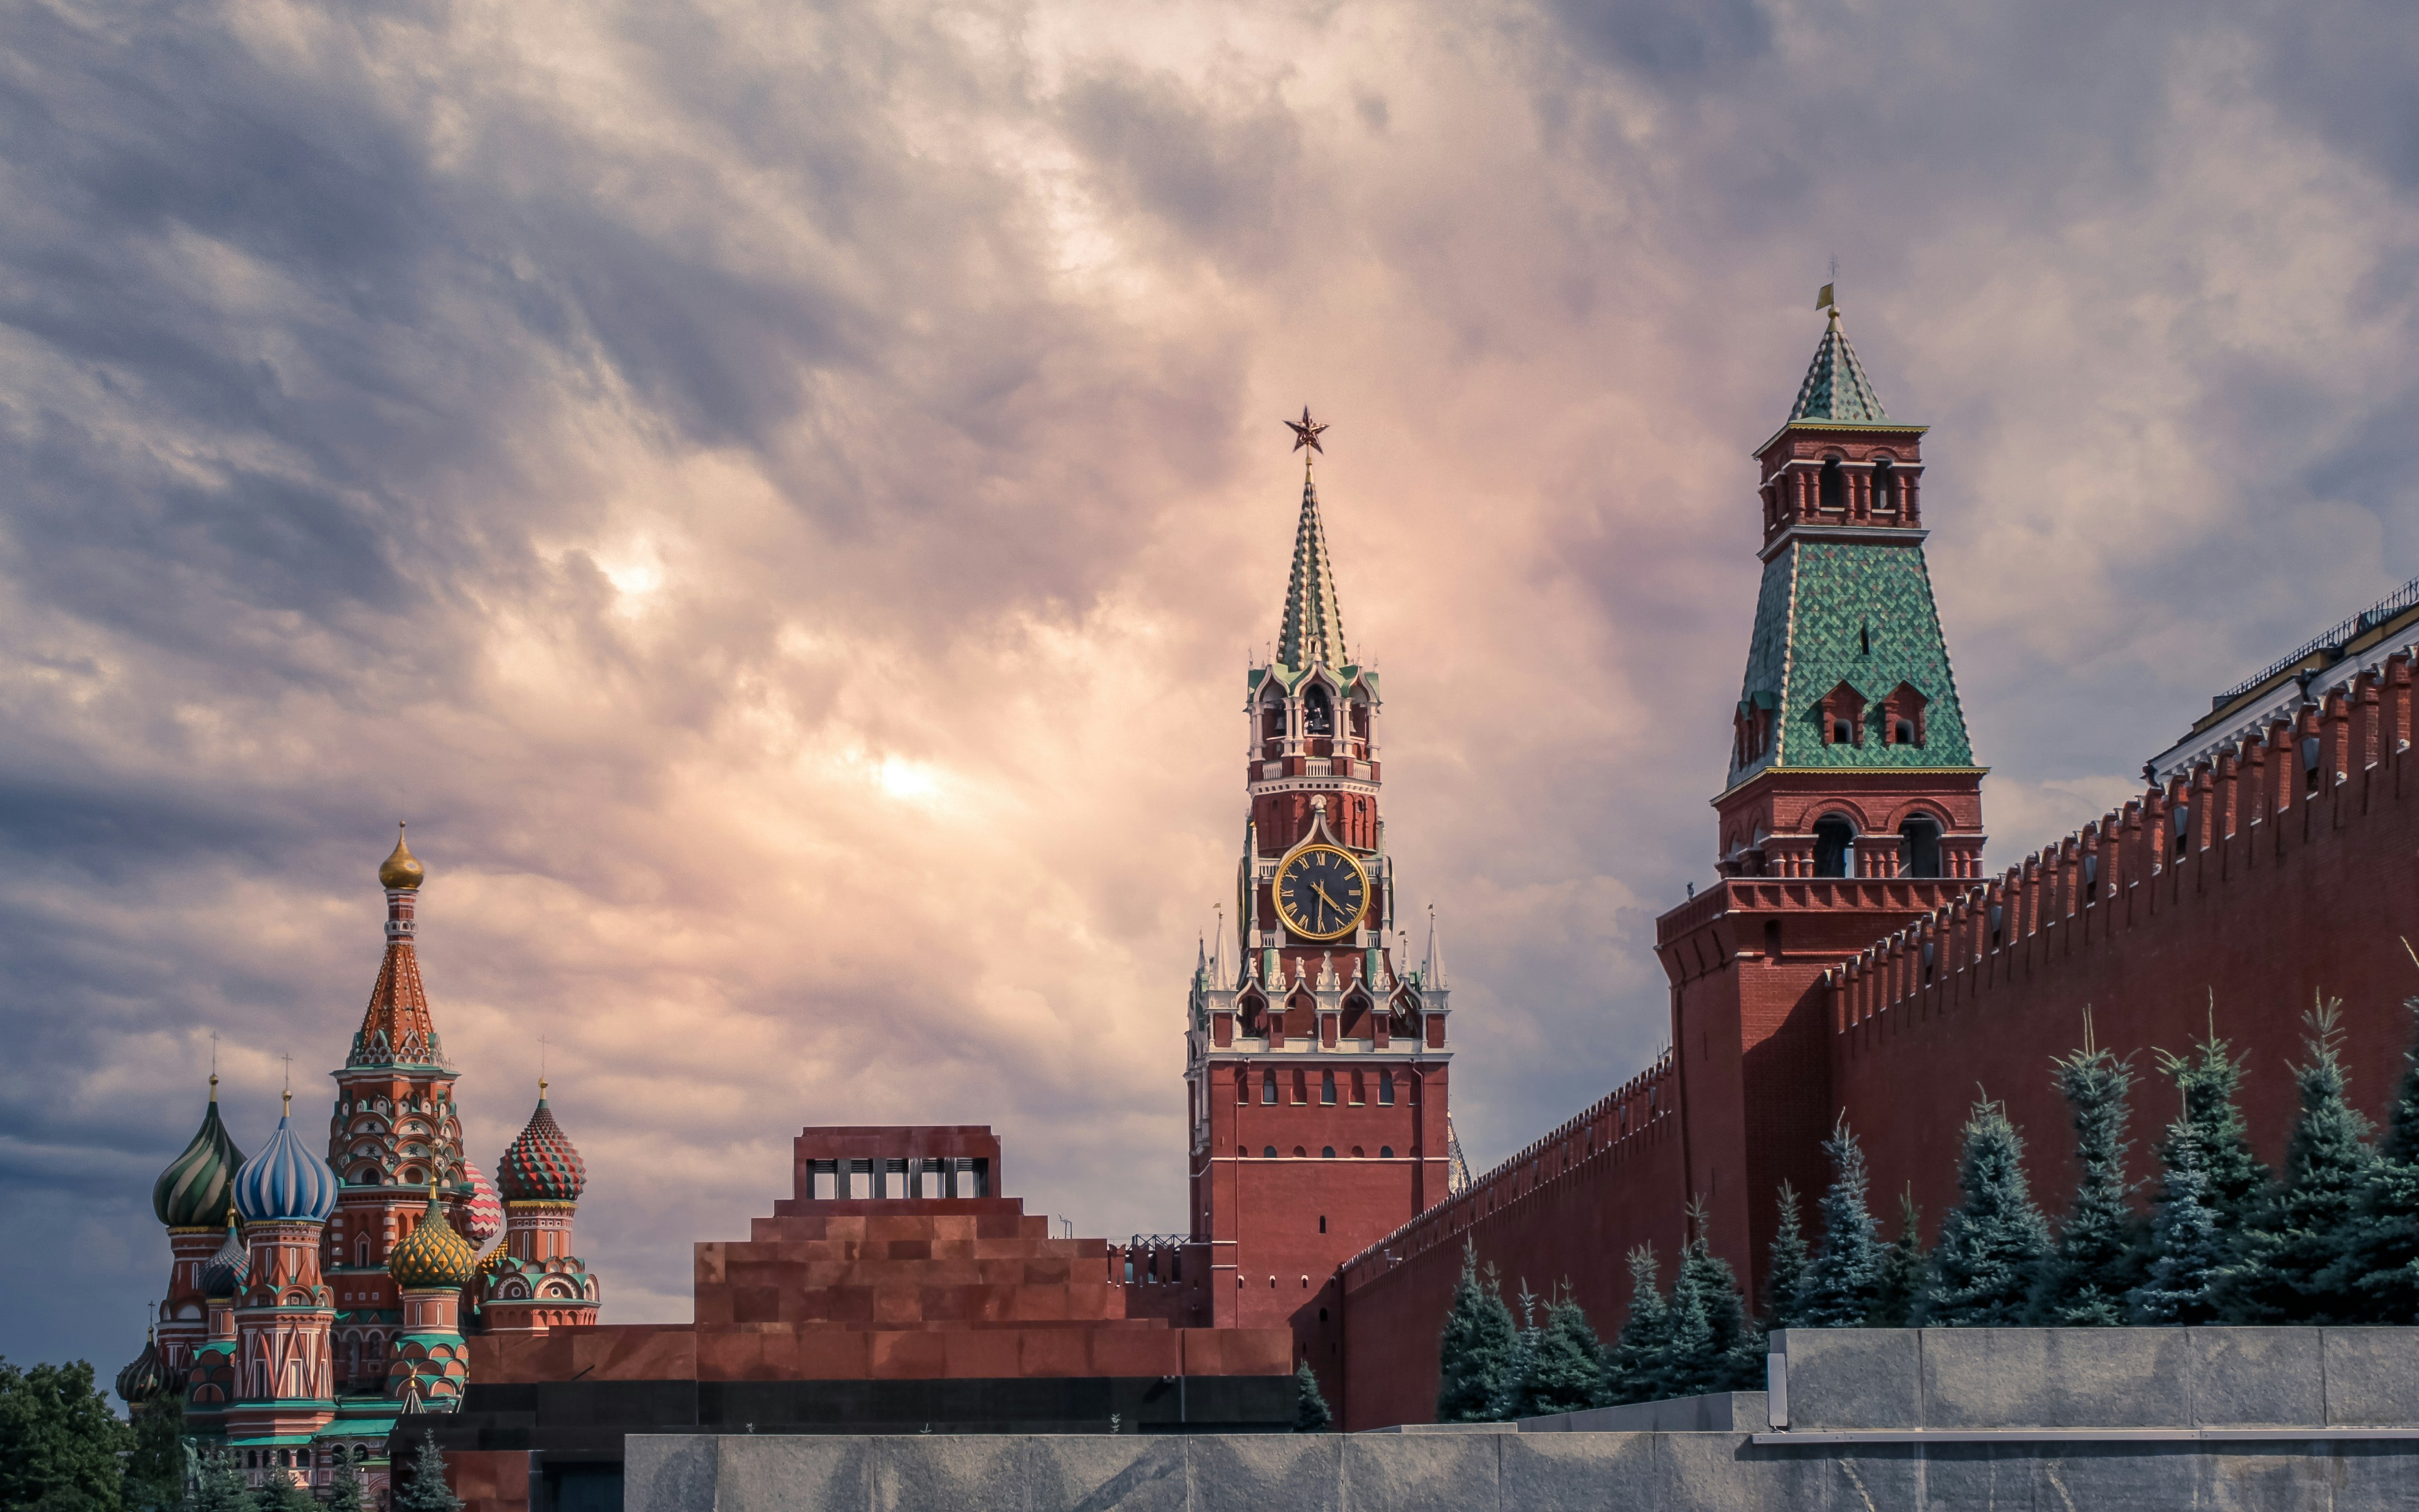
(308, 1310)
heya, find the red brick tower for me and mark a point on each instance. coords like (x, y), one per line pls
(1851, 806)
(1315, 1074)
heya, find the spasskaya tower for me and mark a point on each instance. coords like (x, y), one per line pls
(1316, 1062)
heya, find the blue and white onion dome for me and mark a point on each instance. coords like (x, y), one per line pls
(286, 1181)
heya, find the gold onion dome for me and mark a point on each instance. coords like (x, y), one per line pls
(401, 872)
(432, 1255)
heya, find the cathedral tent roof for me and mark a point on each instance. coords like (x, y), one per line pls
(1836, 389)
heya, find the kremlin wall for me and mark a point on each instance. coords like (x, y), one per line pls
(1855, 959)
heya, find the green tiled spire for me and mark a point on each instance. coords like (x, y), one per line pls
(1859, 612)
(1836, 388)
(1313, 633)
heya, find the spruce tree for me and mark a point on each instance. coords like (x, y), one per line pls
(1310, 1414)
(1785, 1272)
(2187, 1248)
(2098, 1258)
(1689, 1359)
(426, 1491)
(1505, 1404)
(1632, 1364)
(220, 1486)
(1845, 1280)
(1993, 1245)
(2380, 1256)
(2285, 1266)
(1565, 1371)
(1736, 1347)
(345, 1495)
(2206, 1083)
(1477, 1344)
(282, 1492)
(1901, 1267)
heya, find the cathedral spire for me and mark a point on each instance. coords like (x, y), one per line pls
(1313, 633)
(396, 1028)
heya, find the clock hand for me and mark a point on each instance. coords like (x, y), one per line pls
(1329, 901)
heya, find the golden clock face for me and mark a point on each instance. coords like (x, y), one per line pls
(1321, 892)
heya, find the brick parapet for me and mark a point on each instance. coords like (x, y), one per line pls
(1604, 1134)
(2123, 872)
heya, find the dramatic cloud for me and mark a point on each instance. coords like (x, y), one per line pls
(782, 499)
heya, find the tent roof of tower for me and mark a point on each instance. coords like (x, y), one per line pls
(1313, 633)
(1836, 395)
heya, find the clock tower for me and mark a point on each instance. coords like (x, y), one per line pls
(1316, 1058)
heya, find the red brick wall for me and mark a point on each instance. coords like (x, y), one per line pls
(2316, 898)
(1569, 1208)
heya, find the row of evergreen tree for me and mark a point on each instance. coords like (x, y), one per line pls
(63, 1450)
(2332, 1238)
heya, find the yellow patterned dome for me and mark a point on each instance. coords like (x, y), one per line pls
(401, 872)
(432, 1255)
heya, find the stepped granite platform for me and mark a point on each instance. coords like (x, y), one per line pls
(1856, 1420)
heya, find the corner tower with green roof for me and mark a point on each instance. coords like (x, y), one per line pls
(1850, 806)
(1849, 755)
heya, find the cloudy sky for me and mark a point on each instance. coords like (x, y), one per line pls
(782, 498)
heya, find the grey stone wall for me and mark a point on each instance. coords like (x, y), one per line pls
(2004, 1379)
(1860, 1420)
(1494, 1473)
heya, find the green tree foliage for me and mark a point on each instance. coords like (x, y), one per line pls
(345, 1494)
(425, 1489)
(2099, 1259)
(1901, 1267)
(1785, 1269)
(1564, 1367)
(1506, 1403)
(1845, 1280)
(219, 1485)
(155, 1470)
(2186, 1246)
(2380, 1258)
(59, 1442)
(2206, 1083)
(1993, 1245)
(2286, 1258)
(282, 1492)
(1732, 1353)
(1477, 1347)
(1632, 1368)
(1310, 1414)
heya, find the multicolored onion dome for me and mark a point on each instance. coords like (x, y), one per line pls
(286, 1181)
(401, 872)
(432, 1255)
(484, 1214)
(197, 1189)
(229, 1269)
(145, 1378)
(540, 1164)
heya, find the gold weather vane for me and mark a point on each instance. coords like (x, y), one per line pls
(1305, 433)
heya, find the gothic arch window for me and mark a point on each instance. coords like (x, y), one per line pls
(361, 1252)
(1269, 1086)
(1835, 836)
(1327, 1090)
(1272, 718)
(1385, 1087)
(1919, 836)
(1317, 711)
